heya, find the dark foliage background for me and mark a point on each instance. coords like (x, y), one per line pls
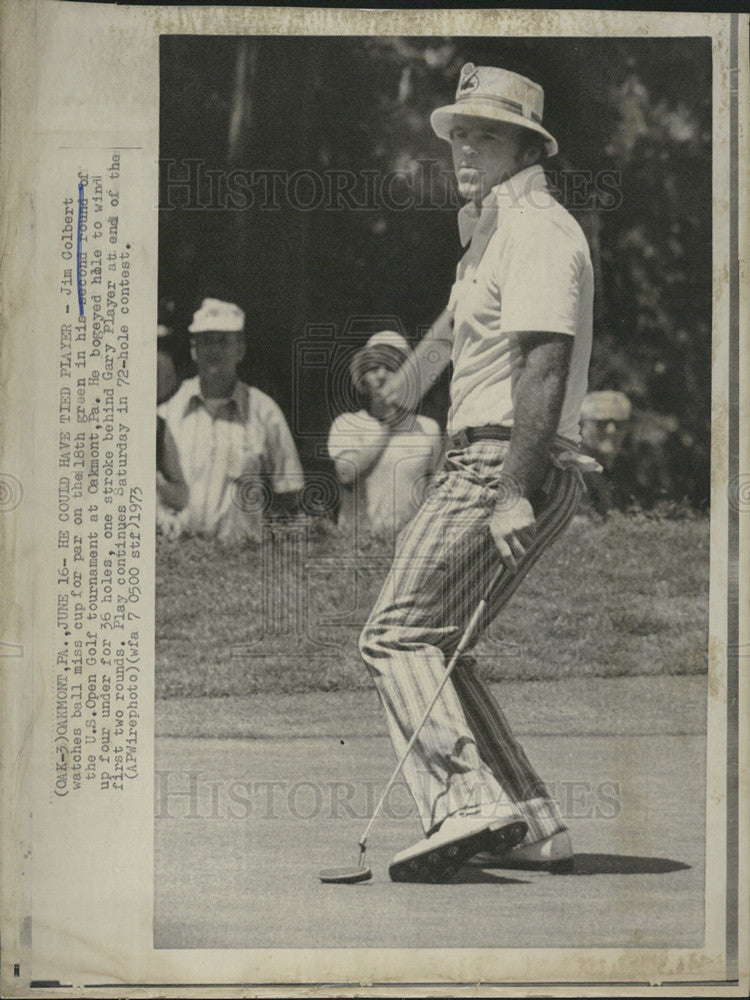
(633, 120)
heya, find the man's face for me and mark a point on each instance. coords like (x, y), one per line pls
(604, 439)
(484, 154)
(372, 384)
(217, 354)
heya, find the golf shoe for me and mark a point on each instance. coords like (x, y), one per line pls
(437, 858)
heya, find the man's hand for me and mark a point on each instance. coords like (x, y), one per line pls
(389, 413)
(397, 395)
(513, 527)
(422, 368)
(174, 495)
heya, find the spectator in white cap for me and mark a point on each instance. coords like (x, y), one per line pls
(384, 455)
(236, 451)
(605, 427)
(605, 421)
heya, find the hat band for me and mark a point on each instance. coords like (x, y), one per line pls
(504, 103)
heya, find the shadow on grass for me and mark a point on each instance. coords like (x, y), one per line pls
(623, 864)
(601, 864)
(475, 876)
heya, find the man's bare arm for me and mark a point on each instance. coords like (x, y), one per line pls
(356, 462)
(538, 393)
(423, 367)
(170, 482)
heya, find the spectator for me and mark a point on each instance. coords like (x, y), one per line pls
(166, 373)
(645, 455)
(232, 441)
(384, 456)
(605, 421)
(605, 425)
(170, 483)
(171, 488)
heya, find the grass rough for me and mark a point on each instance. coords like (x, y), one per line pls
(627, 596)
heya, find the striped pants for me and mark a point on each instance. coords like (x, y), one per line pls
(465, 754)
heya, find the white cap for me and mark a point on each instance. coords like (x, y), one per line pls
(215, 316)
(389, 338)
(384, 348)
(607, 404)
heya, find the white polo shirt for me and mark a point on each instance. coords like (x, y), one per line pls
(527, 268)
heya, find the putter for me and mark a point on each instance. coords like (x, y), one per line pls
(360, 873)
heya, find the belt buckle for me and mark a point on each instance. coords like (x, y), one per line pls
(461, 439)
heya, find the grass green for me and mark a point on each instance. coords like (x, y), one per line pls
(627, 596)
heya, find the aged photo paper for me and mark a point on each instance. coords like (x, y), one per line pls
(190, 738)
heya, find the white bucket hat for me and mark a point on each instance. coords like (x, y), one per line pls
(498, 95)
(215, 316)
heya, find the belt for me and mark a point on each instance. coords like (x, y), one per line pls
(500, 432)
(469, 435)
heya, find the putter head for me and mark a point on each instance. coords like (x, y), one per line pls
(345, 876)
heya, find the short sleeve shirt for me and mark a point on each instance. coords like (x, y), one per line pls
(232, 460)
(527, 268)
(392, 492)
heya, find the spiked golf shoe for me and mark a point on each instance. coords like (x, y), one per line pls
(437, 858)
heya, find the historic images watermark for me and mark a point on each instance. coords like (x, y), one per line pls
(194, 795)
(192, 185)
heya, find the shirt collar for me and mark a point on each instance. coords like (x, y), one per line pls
(525, 187)
(238, 397)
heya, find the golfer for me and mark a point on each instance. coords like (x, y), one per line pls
(518, 331)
